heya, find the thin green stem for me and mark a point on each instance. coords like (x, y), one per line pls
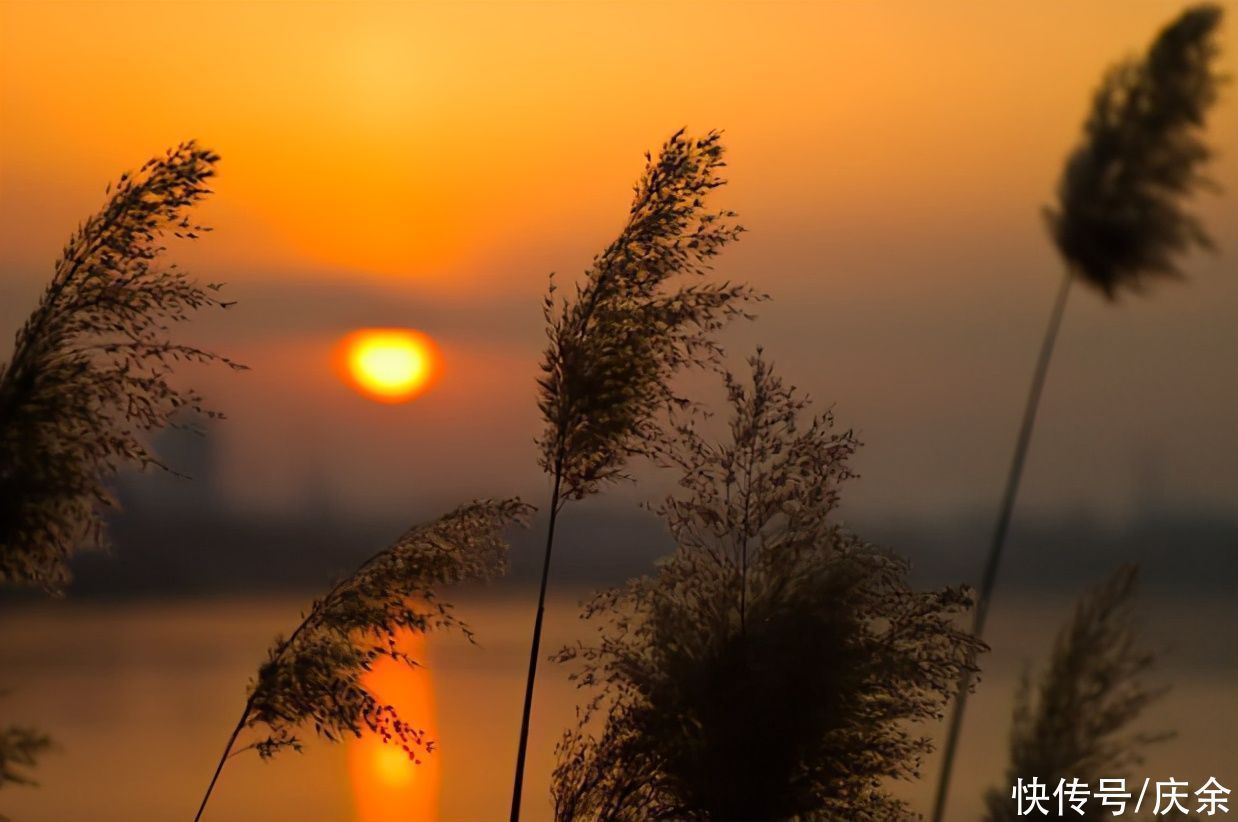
(989, 580)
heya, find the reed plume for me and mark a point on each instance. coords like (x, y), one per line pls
(1121, 217)
(1121, 221)
(91, 367)
(312, 678)
(20, 748)
(773, 665)
(614, 347)
(1077, 725)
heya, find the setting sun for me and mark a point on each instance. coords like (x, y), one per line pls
(389, 364)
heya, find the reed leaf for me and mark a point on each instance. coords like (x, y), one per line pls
(92, 366)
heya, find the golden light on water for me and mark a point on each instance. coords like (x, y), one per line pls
(391, 767)
(389, 364)
(388, 785)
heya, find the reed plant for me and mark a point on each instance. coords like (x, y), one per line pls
(774, 666)
(312, 677)
(1077, 721)
(90, 374)
(1122, 221)
(615, 345)
(91, 369)
(20, 748)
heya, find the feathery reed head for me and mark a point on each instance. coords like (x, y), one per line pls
(1120, 218)
(614, 347)
(314, 676)
(20, 749)
(770, 668)
(1078, 723)
(91, 366)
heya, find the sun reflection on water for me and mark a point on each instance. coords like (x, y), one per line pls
(387, 784)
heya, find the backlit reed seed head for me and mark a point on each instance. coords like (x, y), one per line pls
(774, 665)
(615, 345)
(1121, 216)
(1076, 721)
(312, 679)
(91, 368)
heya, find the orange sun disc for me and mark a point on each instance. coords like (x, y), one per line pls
(388, 364)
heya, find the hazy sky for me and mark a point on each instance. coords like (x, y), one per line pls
(427, 165)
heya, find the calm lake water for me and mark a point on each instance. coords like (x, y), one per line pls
(141, 698)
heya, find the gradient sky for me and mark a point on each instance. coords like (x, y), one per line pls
(426, 165)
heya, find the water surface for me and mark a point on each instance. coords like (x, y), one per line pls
(141, 698)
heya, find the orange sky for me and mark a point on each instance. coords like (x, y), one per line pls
(427, 164)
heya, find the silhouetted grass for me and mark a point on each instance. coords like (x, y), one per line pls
(1121, 219)
(313, 677)
(772, 666)
(20, 748)
(615, 345)
(91, 367)
(1076, 722)
(89, 375)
